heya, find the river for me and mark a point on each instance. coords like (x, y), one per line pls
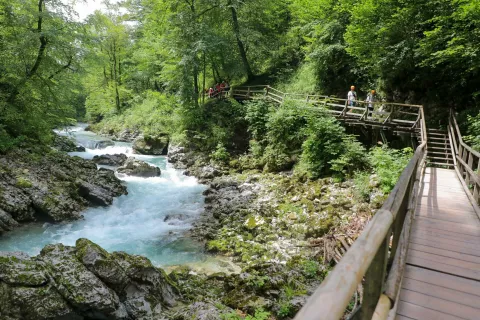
(133, 223)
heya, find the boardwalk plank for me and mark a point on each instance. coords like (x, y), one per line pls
(443, 280)
(440, 243)
(448, 226)
(445, 306)
(445, 234)
(456, 218)
(444, 260)
(445, 253)
(414, 311)
(442, 267)
(442, 293)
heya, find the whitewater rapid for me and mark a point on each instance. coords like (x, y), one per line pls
(149, 221)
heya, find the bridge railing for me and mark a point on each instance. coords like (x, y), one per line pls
(376, 260)
(466, 161)
(377, 114)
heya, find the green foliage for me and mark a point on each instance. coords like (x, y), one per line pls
(473, 138)
(260, 314)
(362, 186)
(257, 115)
(151, 113)
(352, 158)
(388, 164)
(324, 144)
(23, 183)
(221, 154)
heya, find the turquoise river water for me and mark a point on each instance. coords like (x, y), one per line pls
(133, 223)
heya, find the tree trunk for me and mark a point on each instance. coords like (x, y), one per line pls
(195, 83)
(204, 76)
(241, 47)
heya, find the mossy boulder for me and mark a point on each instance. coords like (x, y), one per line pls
(79, 287)
(134, 167)
(151, 145)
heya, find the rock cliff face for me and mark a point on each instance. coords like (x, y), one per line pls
(52, 187)
(82, 282)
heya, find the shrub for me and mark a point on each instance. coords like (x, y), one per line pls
(221, 154)
(257, 115)
(388, 164)
(353, 157)
(362, 186)
(324, 144)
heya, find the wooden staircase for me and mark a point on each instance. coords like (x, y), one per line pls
(439, 152)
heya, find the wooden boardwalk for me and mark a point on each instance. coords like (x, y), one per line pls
(442, 276)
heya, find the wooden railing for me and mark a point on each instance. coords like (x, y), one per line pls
(466, 161)
(376, 260)
(377, 114)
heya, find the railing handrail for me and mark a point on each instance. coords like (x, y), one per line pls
(246, 88)
(466, 163)
(334, 294)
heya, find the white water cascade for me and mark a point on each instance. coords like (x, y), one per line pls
(133, 223)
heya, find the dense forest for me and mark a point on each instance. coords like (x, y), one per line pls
(157, 57)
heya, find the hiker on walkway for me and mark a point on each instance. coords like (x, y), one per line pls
(371, 97)
(352, 96)
(210, 92)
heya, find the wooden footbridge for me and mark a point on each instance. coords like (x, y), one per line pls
(418, 257)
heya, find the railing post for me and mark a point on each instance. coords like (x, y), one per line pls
(476, 191)
(470, 165)
(374, 282)
(248, 92)
(266, 90)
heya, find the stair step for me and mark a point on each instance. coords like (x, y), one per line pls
(437, 157)
(436, 134)
(446, 143)
(449, 160)
(439, 148)
(441, 164)
(438, 152)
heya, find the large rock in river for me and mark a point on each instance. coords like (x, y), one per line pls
(138, 168)
(110, 159)
(151, 145)
(82, 282)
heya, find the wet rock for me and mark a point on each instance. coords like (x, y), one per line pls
(80, 149)
(26, 291)
(127, 135)
(103, 144)
(202, 311)
(151, 145)
(51, 187)
(148, 290)
(7, 223)
(95, 194)
(81, 282)
(110, 159)
(65, 144)
(134, 167)
(178, 216)
(78, 286)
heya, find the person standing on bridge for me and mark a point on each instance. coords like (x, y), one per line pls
(371, 97)
(351, 97)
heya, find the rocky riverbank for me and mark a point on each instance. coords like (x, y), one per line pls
(284, 231)
(51, 186)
